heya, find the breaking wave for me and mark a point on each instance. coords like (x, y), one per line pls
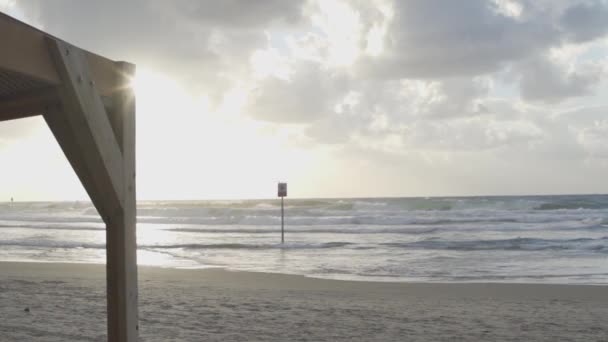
(524, 244)
(412, 239)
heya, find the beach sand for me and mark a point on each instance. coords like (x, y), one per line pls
(67, 303)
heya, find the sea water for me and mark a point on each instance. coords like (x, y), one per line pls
(530, 239)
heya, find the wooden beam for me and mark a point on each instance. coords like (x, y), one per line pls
(25, 51)
(90, 127)
(28, 104)
(121, 231)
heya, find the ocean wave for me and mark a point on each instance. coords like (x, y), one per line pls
(236, 246)
(228, 207)
(292, 245)
(388, 211)
(575, 203)
(375, 220)
(550, 222)
(522, 277)
(54, 218)
(515, 244)
(336, 225)
(434, 243)
(300, 230)
(48, 225)
(51, 244)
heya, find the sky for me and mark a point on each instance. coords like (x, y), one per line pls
(360, 98)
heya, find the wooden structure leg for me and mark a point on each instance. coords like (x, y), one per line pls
(87, 101)
(100, 145)
(121, 232)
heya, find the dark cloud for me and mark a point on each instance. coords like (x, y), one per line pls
(544, 80)
(437, 38)
(585, 21)
(240, 14)
(200, 43)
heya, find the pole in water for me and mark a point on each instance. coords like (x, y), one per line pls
(282, 192)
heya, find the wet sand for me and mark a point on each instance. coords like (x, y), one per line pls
(67, 303)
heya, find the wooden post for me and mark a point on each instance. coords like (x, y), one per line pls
(121, 264)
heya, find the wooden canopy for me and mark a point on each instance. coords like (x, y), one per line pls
(89, 106)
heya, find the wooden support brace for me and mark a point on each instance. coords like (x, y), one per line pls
(87, 120)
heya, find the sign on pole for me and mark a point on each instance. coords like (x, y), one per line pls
(282, 189)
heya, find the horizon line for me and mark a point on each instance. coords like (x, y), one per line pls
(321, 198)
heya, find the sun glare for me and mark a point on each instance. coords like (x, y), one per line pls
(210, 148)
(150, 84)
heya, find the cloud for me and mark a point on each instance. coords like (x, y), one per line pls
(585, 21)
(386, 110)
(546, 80)
(240, 14)
(434, 87)
(425, 88)
(434, 39)
(204, 44)
(437, 39)
(593, 139)
(587, 128)
(308, 94)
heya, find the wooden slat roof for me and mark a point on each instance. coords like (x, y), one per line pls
(27, 70)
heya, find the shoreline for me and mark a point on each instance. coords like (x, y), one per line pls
(67, 302)
(220, 276)
(8, 266)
